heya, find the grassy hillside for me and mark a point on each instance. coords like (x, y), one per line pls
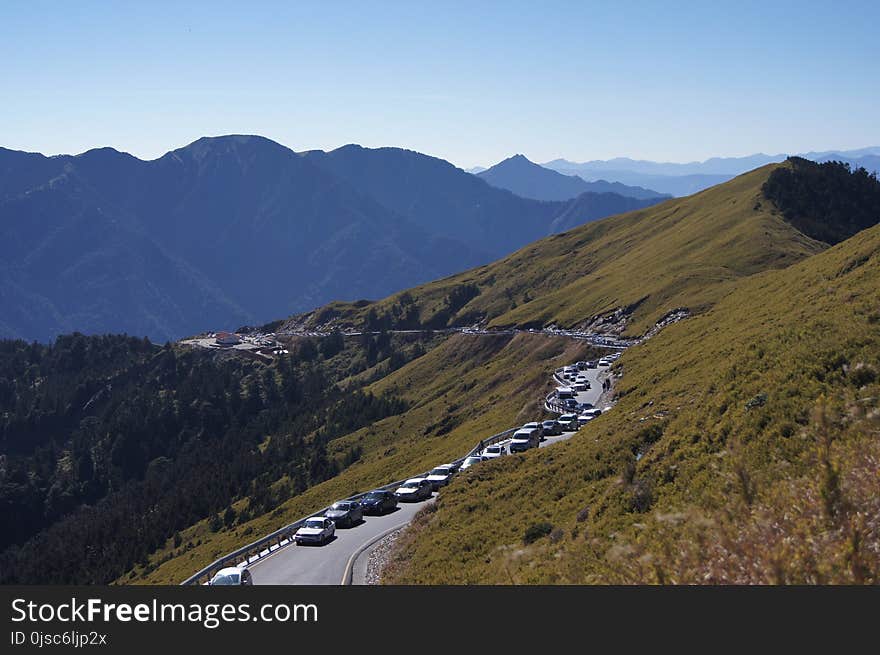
(744, 448)
(466, 388)
(679, 253)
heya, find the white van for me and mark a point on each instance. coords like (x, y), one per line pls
(523, 439)
(564, 393)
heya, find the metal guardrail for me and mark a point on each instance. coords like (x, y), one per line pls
(282, 537)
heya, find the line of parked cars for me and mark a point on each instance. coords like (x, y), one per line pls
(348, 513)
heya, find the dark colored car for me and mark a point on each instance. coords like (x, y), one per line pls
(571, 403)
(378, 501)
(552, 428)
(345, 513)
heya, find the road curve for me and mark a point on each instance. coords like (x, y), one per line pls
(326, 565)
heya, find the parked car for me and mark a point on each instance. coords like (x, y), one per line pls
(414, 490)
(378, 501)
(440, 476)
(583, 419)
(551, 427)
(580, 385)
(315, 530)
(534, 425)
(604, 362)
(592, 364)
(524, 438)
(568, 422)
(582, 366)
(564, 393)
(493, 451)
(571, 403)
(592, 411)
(473, 459)
(232, 575)
(345, 513)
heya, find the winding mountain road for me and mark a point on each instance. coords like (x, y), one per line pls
(331, 564)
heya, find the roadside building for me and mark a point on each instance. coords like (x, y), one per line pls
(227, 339)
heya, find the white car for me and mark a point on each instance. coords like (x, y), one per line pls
(315, 530)
(473, 459)
(493, 451)
(414, 489)
(580, 386)
(232, 575)
(583, 419)
(440, 476)
(534, 425)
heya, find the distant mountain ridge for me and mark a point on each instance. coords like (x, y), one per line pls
(682, 179)
(217, 234)
(643, 263)
(238, 229)
(437, 196)
(530, 180)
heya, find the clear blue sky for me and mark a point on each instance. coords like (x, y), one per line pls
(472, 82)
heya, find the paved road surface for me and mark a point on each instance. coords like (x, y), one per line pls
(314, 565)
(320, 565)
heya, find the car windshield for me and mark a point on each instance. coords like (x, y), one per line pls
(440, 471)
(493, 449)
(226, 578)
(373, 495)
(342, 507)
(314, 523)
(472, 460)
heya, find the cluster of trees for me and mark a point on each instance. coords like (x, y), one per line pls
(405, 313)
(829, 202)
(109, 445)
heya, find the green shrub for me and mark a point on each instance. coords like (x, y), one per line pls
(536, 531)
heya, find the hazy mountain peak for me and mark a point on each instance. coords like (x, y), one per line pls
(105, 151)
(530, 180)
(207, 146)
